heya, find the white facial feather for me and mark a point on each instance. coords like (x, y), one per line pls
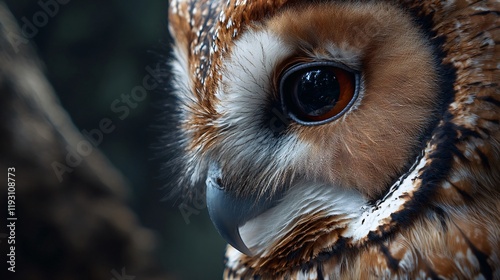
(303, 199)
(247, 133)
(181, 81)
(379, 214)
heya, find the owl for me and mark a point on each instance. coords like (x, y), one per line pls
(342, 139)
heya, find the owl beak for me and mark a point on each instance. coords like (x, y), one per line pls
(228, 212)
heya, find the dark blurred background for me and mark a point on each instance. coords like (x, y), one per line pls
(94, 52)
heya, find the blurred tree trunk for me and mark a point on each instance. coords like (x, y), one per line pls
(70, 219)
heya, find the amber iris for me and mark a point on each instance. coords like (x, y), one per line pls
(317, 93)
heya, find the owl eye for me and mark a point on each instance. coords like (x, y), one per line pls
(317, 92)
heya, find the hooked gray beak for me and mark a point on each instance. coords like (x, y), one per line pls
(229, 213)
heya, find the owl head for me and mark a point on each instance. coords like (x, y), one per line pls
(318, 128)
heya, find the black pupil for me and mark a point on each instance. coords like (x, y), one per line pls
(316, 91)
